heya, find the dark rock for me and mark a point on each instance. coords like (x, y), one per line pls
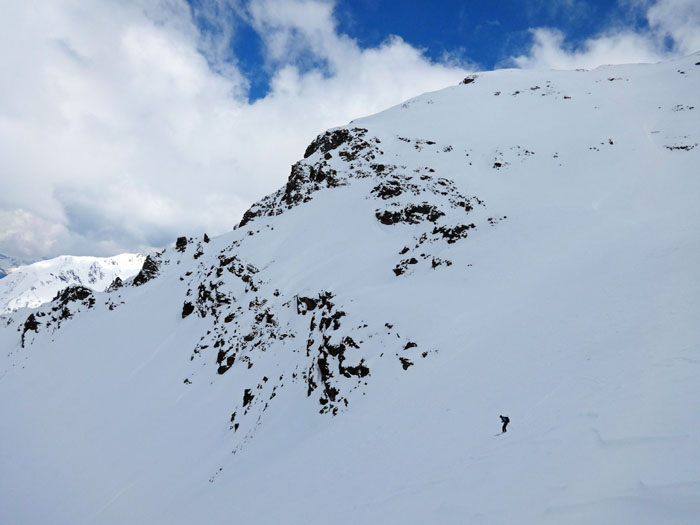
(454, 234)
(64, 314)
(405, 363)
(308, 304)
(181, 244)
(115, 285)
(296, 190)
(416, 213)
(388, 189)
(30, 324)
(149, 271)
(247, 397)
(331, 140)
(349, 341)
(249, 216)
(358, 371)
(327, 321)
(439, 262)
(187, 309)
(403, 265)
(388, 217)
(411, 214)
(72, 294)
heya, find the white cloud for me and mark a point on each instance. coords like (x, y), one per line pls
(549, 51)
(23, 229)
(123, 125)
(677, 20)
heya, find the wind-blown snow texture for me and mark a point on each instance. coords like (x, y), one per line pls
(525, 243)
(35, 284)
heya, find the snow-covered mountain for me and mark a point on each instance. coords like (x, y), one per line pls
(35, 284)
(7, 264)
(525, 243)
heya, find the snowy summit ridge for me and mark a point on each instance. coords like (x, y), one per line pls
(32, 285)
(524, 243)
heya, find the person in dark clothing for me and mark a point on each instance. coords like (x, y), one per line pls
(505, 420)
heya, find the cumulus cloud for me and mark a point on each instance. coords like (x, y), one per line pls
(24, 229)
(550, 51)
(125, 124)
(672, 30)
(678, 20)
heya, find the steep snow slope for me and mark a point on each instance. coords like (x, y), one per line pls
(526, 244)
(35, 284)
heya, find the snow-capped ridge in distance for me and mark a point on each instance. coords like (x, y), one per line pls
(32, 285)
(524, 244)
(7, 264)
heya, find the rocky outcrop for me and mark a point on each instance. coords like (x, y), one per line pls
(64, 306)
(115, 285)
(149, 271)
(411, 214)
(315, 172)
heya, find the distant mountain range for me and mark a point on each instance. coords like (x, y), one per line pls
(8, 263)
(31, 285)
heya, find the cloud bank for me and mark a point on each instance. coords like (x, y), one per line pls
(124, 124)
(672, 29)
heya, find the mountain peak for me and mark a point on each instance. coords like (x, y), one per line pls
(524, 244)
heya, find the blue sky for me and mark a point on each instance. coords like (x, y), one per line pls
(126, 123)
(480, 34)
(485, 33)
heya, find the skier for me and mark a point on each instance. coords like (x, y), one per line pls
(505, 420)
